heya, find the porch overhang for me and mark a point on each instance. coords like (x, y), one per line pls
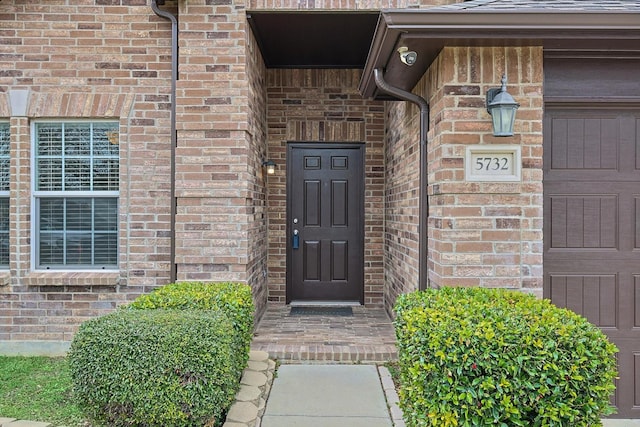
(304, 39)
(428, 31)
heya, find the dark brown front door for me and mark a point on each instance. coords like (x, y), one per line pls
(592, 228)
(325, 223)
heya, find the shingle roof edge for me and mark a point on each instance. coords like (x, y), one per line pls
(576, 5)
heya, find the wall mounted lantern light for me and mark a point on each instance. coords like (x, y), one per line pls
(502, 108)
(270, 166)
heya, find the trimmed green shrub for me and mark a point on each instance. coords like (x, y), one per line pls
(155, 368)
(487, 357)
(234, 299)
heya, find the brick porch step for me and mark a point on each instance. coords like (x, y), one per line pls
(366, 336)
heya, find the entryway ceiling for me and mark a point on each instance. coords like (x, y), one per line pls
(314, 39)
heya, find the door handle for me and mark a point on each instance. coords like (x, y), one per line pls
(295, 241)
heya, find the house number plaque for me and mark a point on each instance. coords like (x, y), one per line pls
(493, 163)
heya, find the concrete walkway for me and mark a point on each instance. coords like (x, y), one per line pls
(341, 395)
(327, 396)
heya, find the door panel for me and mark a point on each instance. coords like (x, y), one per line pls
(325, 208)
(591, 260)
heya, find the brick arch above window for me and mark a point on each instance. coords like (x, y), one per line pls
(77, 105)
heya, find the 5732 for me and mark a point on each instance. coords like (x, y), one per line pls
(492, 163)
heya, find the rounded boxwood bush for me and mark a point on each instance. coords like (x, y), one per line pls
(488, 357)
(234, 299)
(155, 368)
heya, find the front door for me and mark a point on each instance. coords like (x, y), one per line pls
(325, 222)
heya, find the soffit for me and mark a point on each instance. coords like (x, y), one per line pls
(313, 39)
(589, 29)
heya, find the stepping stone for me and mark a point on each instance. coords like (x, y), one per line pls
(26, 424)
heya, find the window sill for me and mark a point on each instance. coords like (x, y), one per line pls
(69, 278)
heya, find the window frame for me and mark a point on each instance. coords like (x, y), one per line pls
(38, 195)
(5, 194)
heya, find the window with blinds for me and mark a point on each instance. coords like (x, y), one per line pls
(76, 194)
(5, 175)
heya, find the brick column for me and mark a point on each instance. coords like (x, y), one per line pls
(484, 233)
(219, 183)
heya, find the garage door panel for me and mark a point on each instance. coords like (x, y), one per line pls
(636, 371)
(592, 228)
(574, 157)
(614, 396)
(636, 301)
(583, 221)
(610, 301)
(584, 143)
(637, 144)
(592, 296)
(636, 222)
(594, 157)
(628, 392)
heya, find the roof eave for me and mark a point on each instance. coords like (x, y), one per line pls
(428, 31)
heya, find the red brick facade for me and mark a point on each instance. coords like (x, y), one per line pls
(105, 59)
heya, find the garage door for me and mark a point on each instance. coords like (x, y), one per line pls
(592, 227)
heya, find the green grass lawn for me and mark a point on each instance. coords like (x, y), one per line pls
(38, 389)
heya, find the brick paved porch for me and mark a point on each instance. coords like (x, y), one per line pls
(367, 336)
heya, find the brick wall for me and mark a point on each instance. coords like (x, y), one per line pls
(402, 183)
(487, 233)
(480, 234)
(213, 148)
(258, 215)
(87, 60)
(324, 106)
(105, 59)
